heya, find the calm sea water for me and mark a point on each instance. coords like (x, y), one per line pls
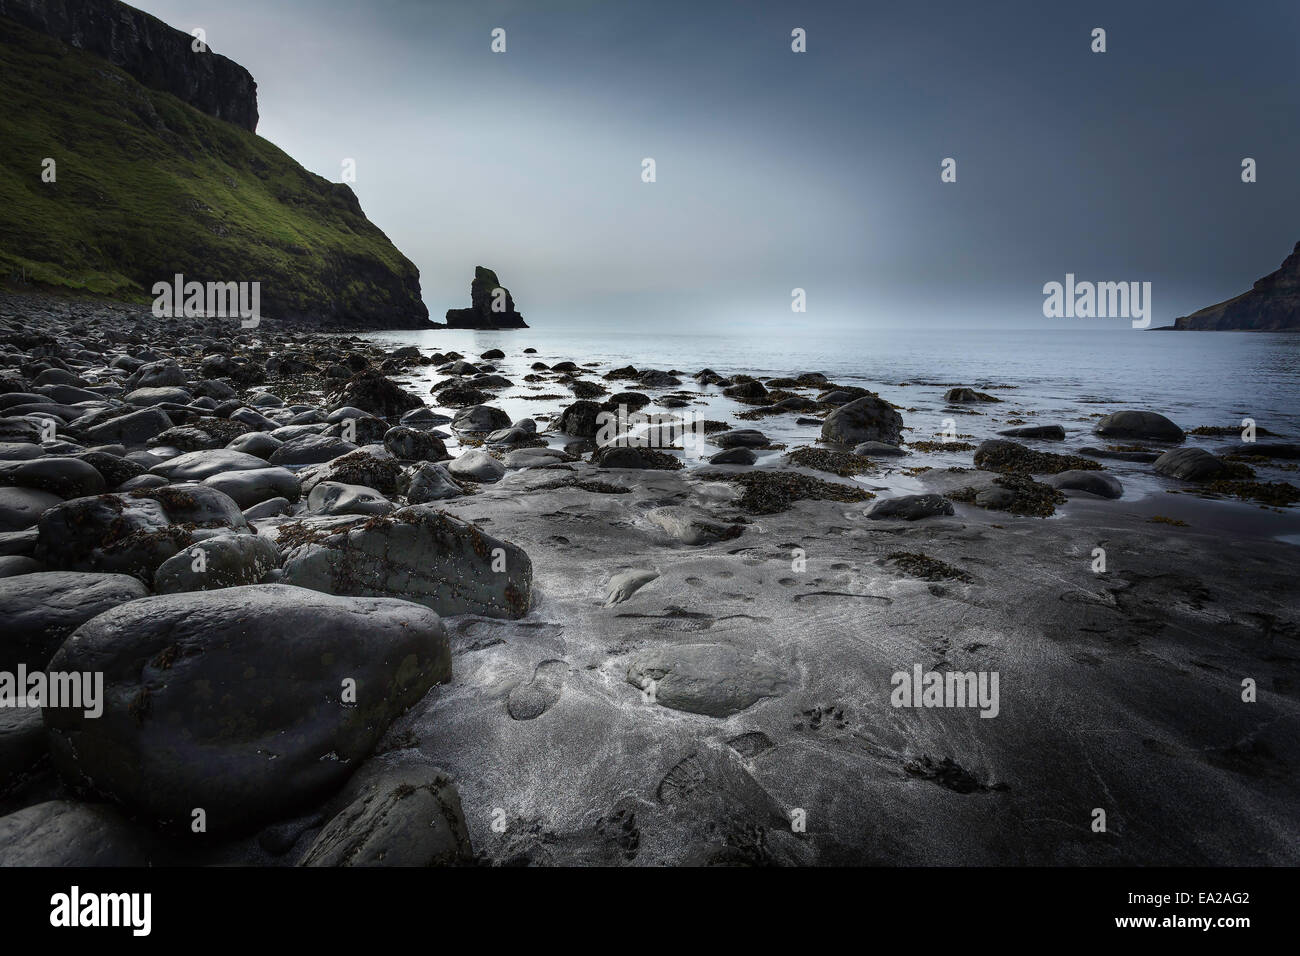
(1066, 377)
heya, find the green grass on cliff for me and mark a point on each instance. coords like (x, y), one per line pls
(148, 186)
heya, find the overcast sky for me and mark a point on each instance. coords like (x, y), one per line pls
(778, 170)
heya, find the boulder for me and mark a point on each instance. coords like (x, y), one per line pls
(423, 555)
(68, 833)
(132, 532)
(1135, 424)
(1190, 464)
(336, 498)
(248, 702)
(432, 482)
(910, 507)
(477, 465)
(65, 477)
(198, 465)
(865, 419)
(405, 815)
(255, 485)
(228, 560)
(1093, 482)
(413, 444)
(41, 609)
(310, 450)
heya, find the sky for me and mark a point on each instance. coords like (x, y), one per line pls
(778, 170)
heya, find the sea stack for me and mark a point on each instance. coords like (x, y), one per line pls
(491, 306)
(1273, 305)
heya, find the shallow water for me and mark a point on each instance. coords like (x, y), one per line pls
(1058, 376)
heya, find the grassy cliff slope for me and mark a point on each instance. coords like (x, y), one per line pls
(147, 186)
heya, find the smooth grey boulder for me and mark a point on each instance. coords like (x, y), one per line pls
(41, 609)
(910, 507)
(717, 680)
(480, 418)
(261, 444)
(12, 565)
(255, 485)
(132, 532)
(271, 508)
(65, 477)
(478, 465)
(1093, 482)
(734, 456)
(535, 458)
(1136, 424)
(22, 507)
(311, 450)
(336, 498)
(134, 428)
(1190, 464)
(20, 451)
(422, 555)
(741, 438)
(864, 419)
(425, 418)
(432, 482)
(223, 561)
(197, 465)
(158, 396)
(241, 700)
(403, 815)
(69, 833)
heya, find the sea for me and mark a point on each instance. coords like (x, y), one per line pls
(1043, 376)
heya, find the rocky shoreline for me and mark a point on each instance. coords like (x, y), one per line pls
(338, 622)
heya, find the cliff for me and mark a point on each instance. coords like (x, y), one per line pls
(147, 182)
(1272, 305)
(491, 305)
(149, 50)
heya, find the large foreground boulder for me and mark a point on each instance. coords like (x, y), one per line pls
(246, 702)
(420, 554)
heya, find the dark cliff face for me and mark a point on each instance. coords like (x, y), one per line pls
(157, 55)
(1272, 305)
